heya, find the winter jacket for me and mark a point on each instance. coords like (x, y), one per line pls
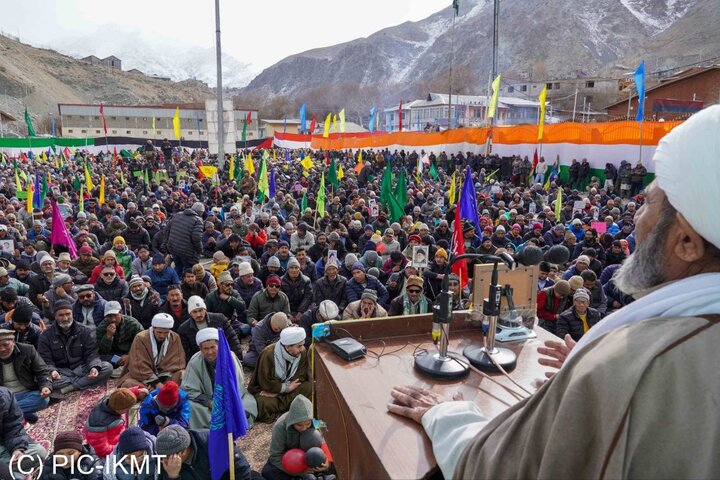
(179, 319)
(354, 290)
(98, 312)
(95, 275)
(39, 284)
(262, 335)
(327, 290)
(74, 349)
(30, 370)
(247, 291)
(138, 267)
(233, 308)
(178, 415)
(135, 239)
(284, 434)
(113, 291)
(113, 472)
(103, 427)
(189, 329)
(261, 304)
(299, 292)
(86, 469)
(12, 433)
(31, 336)
(161, 281)
(198, 465)
(184, 235)
(569, 322)
(121, 341)
(144, 310)
(86, 268)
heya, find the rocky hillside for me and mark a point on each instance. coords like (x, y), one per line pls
(40, 79)
(538, 39)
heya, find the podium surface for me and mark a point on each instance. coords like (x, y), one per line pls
(366, 440)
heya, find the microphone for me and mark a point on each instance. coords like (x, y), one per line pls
(528, 257)
(557, 254)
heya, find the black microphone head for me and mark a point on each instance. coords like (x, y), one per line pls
(557, 254)
(529, 256)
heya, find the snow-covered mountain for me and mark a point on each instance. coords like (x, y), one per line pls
(156, 56)
(538, 38)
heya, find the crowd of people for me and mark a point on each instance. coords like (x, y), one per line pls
(160, 257)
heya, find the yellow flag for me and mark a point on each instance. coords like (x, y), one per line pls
(342, 120)
(208, 170)
(451, 194)
(88, 181)
(558, 204)
(541, 125)
(249, 166)
(335, 130)
(29, 203)
(326, 130)
(359, 164)
(274, 156)
(232, 167)
(494, 99)
(307, 163)
(43, 156)
(340, 173)
(17, 182)
(176, 123)
(101, 197)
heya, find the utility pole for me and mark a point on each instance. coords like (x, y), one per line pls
(221, 126)
(452, 58)
(575, 102)
(496, 22)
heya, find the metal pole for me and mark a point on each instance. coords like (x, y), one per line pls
(221, 126)
(629, 102)
(496, 23)
(452, 58)
(575, 102)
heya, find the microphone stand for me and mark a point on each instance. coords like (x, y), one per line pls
(439, 364)
(480, 355)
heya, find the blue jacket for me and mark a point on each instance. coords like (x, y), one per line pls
(178, 415)
(98, 312)
(354, 290)
(161, 281)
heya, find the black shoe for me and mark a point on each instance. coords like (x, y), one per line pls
(31, 418)
(56, 396)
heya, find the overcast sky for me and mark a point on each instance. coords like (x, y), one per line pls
(259, 32)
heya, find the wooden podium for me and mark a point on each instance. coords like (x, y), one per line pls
(368, 442)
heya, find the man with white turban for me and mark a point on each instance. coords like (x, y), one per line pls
(156, 356)
(281, 374)
(199, 381)
(638, 394)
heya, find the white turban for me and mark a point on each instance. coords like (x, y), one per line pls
(292, 335)
(686, 168)
(163, 320)
(206, 334)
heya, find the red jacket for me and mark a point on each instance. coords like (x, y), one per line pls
(258, 240)
(547, 307)
(103, 427)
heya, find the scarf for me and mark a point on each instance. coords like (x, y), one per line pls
(285, 364)
(158, 355)
(141, 297)
(422, 305)
(688, 297)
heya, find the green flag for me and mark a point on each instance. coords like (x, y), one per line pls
(386, 186)
(263, 185)
(28, 122)
(81, 204)
(401, 189)
(321, 197)
(76, 184)
(244, 131)
(303, 203)
(333, 175)
(433, 171)
(45, 189)
(147, 178)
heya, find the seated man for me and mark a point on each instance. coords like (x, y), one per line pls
(161, 275)
(156, 355)
(89, 309)
(23, 372)
(281, 374)
(164, 406)
(325, 312)
(110, 286)
(199, 319)
(199, 381)
(227, 301)
(579, 318)
(185, 454)
(366, 307)
(412, 301)
(14, 440)
(142, 303)
(266, 331)
(62, 289)
(175, 306)
(551, 302)
(361, 282)
(19, 321)
(70, 352)
(268, 300)
(191, 286)
(115, 336)
(7, 282)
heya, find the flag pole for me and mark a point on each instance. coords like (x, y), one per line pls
(231, 456)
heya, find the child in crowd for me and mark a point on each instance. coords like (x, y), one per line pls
(71, 459)
(167, 405)
(219, 265)
(105, 423)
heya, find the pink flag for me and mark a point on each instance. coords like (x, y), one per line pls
(60, 234)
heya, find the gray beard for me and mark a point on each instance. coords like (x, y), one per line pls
(645, 269)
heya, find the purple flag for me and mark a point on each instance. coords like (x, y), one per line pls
(60, 234)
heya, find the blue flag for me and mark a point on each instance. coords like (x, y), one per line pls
(303, 117)
(37, 199)
(31, 155)
(468, 204)
(228, 414)
(640, 85)
(371, 126)
(287, 155)
(272, 183)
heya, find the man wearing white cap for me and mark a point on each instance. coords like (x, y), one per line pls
(199, 381)
(638, 393)
(200, 318)
(281, 374)
(156, 356)
(326, 311)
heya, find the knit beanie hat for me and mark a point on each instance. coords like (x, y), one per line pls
(68, 439)
(279, 321)
(169, 394)
(273, 262)
(132, 440)
(121, 399)
(172, 439)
